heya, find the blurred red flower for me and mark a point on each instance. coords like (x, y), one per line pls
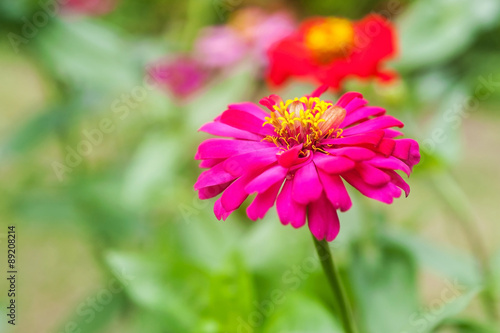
(330, 49)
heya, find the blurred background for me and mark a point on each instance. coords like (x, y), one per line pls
(101, 102)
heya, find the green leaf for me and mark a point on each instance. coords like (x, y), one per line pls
(433, 31)
(145, 286)
(108, 219)
(384, 281)
(427, 319)
(294, 245)
(152, 168)
(442, 138)
(452, 265)
(93, 313)
(215, 240)
(301, 313)
(230, 297)
(35, 130)
(466, 325)
(495, 265)
(84, 53)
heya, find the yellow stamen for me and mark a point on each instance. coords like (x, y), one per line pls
(305, 121)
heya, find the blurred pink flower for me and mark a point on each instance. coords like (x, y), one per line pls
(299, 154)
(273, 29)
(181, 76)
(88, 7)
(220, 47)
(251, 32)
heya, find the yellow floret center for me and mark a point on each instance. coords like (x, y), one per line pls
(306, 121)
(330, 39)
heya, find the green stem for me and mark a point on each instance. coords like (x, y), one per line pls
(454, 197)
(342, 305)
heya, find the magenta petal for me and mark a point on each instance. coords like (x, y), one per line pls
(239, 164)
(399, 181)
(212, 191)
(362, 114)
(214, 176)
(371, 175)
(355, 104)
(319, 91)
(301, 161)
(263, 202)
(220, 129)
(290, 211)
(353, 153)
(323, 219)
(407, 150)
(306, 184)
(289, 157)
(251, 108)
(219, 211)
(373, 124)
(266, 179)
(386, 147)
(384, 193)
(335, 191)
(345, 99)
(333, 164)
(390, 163)
(246, 121)
(392, 133)
(270, 101)
(210, 162)
(223, 148)
(368, 138)
(235, 194)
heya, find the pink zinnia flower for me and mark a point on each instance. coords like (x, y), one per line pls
(299, 156)
(181, 76)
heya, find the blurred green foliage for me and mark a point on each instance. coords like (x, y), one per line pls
(131, 201)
